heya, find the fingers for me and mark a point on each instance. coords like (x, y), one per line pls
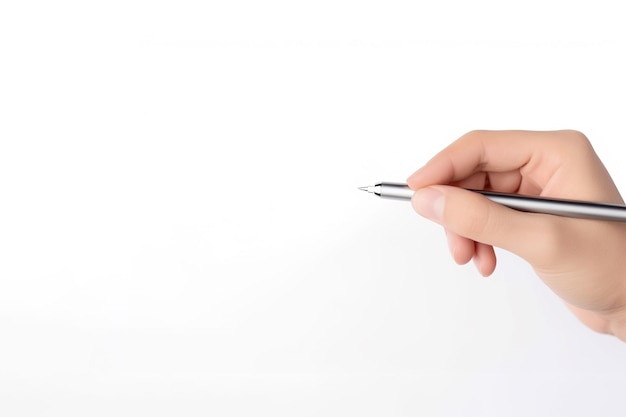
(501, 154)
(464, 250)
(461, 248)
(485, 259)
(475, 218)
(474, 152)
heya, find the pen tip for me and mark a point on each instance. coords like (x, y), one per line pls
(363, 188)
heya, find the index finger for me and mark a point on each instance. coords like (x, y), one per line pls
(480, 151)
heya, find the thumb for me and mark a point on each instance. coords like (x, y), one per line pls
(472, 215)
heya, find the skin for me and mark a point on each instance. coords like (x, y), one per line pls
(582, 261)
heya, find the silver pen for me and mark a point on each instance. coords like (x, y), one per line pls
(559, 207)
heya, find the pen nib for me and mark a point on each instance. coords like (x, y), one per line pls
(368, 189)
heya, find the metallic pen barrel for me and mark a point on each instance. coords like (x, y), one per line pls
(558, 207)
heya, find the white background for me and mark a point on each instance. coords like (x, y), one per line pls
(181, 231)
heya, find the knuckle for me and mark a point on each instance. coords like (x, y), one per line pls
(473, 135)
(577, 148)
(575, 138)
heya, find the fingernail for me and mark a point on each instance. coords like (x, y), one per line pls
(429, 202)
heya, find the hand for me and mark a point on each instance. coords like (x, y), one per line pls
(582, 261)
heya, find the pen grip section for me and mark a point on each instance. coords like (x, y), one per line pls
(394, 191)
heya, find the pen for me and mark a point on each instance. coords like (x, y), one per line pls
(559, 207)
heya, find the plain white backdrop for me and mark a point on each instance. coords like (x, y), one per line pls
(181, 231)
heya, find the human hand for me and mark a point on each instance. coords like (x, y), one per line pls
(582, 261)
